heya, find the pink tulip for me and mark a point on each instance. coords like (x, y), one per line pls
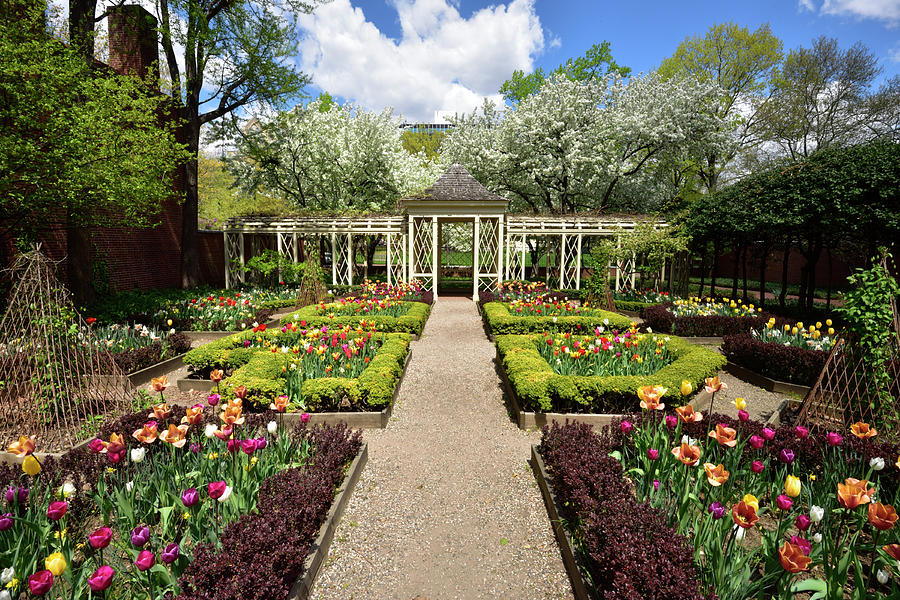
(101, 579)
(40, 583)
(801, 431)
(216, 489)
(652, 453)
(743, 415)
(768, 434)
(100, 539)
(626, 427)
(784, 502)
(757, 466)
(756, 442)
(833, 438)
(145, 560)
(57, 510)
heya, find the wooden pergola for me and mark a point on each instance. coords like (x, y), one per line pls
(412, 239)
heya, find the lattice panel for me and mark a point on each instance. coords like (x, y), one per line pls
(423, 256)
(395, 258)
(626, 273)
(569, 262)
(488, 253)
(342, 255)
(516, 249)
(234, 250)
(457, 242)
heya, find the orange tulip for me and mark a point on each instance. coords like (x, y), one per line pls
(715, 474)
(713, 384)
(726, 436)
(854, 492)
(146, 434)
(232, 416)
(688, 414)
(882, 516)
(158, 384)
(893, 550)
(194, 415)
(161, 411)
(22, 448)
(280, 404)
(224, 433)
(236, 404)
(175, 435)
(689, 455)
(240, 392)
(863, 431)
(216, 375)
(744, 515)
(792, 558)
(116, 444)
(650, 396)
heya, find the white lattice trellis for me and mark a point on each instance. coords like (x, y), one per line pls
(234, 251)
(516, 247)
(422, 259)
(342, 258)
(570, 262)
(488, 257)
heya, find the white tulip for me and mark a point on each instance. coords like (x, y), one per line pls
(66, 490)
(7, 575)
(210, 430)
(5, 595)
(138, 454)
(877, 463)
(816, 513)
(129, 486)
(883, 576)
(685, 439)
(817, 538)
(739, 534)
(272, 427)
(226, 494)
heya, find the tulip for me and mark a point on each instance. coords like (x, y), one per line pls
(756, 442)
(190, 497)
(893, 550)
(240, 392)
(689, 455)
(261, 443)
(686, 388)
(792, 486)
(213, 399)
(817, 538)
(177, 436)
(786, 456)
(66, 490)
(783, 502)
(158, 385)
(802, 522)
(744, 416)
(226, 494)
(656, 485)
(56, 563)
(881, 516)
(883, 576)
(854, 492)
(863, 431)
(96, 445)
(129, 486)
(793, 559)
(717, 510)
(216, 375)
(715, 474)
(757, 466)
(146, 434)
(726, 436)
(740, 404)
(801, 431)
(6, 522)
(169, 554)
(876, 463)
(145, 560)
(40, 583)
(272, 427)
(7, 575)
(210, 430)
(671, 421)
(193, 415)
(802, 543)
(31, 466)
(768, 434)
(626, 426)
(650, 397)
(16, 495)
(816, 513)
(304, 418)
(280, 404)
(23, 447)
(233, 445)
(101, 579)
(833, 438)
(57, 510)
(216, 489)
(138, 454)
(713, 385)
(101, 538)
(744, 515)
(140, 535)
(688, 414)
(248, 446)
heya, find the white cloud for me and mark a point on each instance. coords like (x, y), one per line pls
(882, 10)
(894, 54)
(442, 61)
(806, 5)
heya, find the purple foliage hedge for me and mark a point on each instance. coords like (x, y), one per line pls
(631, 551)
(141, 358)
(660, 319)
(783, 363)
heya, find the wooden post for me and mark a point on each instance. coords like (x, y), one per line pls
(500, 242)
(476, 251)
(524, 246)
(562, 261)
(387, 257)
(578, 265)
(351, 258)
(411, 259)
(333, 259)
(434, 256)
(618, 245)
(227, 246)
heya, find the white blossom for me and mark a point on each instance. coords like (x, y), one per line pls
(816, 513)
(876, 463)
(138, 454)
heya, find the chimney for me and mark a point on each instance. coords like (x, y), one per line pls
(133, 46)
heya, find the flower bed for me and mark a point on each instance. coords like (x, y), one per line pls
(137, 347)
(261, 362)
(167, 507)
(782, 363)
(412, 320)
(501, 320)
(661, 318)
(631, 300)
(538, 387)
(816, 503)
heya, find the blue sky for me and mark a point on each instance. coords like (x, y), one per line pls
(421, 56)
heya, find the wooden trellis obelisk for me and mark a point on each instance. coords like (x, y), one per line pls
(54, 376)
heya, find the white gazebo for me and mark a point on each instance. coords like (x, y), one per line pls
(412, 241)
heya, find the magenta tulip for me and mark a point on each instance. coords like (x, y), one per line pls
(213, 399)
(671, 421)
(743, 415)
(261, 443)
(190, 497)
(652, 453)
(626, 427)
(140, 535)
(802, 522)
(768, 434)
(784, 502)
(57, 510)
(757, 466)
(6, 521)
(756, 442)
(170, 554)
(216, 489)
(804, 544)
(96, 445)
(786, 456)
(145, 560)
(101, 579)
(304, 418)
(833, 438)
(801, 431)
(248, 446)
(100, 539)
(40, 583)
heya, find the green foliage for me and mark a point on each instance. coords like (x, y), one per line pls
(596, 62)
(91, 151)
(312, 281)
(428, 142)
(653, 248)
(596, 287)
(220, 197)
(541, 390)
(412, 322)
(501, 322)
(270, 268)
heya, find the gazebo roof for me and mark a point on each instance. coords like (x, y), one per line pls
(456, 184)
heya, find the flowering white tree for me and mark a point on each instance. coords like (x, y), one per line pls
(324, 156)
(573, 145)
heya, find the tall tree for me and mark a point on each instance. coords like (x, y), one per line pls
(824, 97)
(234, 53)
(742, 64)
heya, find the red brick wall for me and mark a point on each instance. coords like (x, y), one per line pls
(212, 257)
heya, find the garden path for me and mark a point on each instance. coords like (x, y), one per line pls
(447, 506)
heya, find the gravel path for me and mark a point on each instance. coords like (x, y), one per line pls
(447, 506)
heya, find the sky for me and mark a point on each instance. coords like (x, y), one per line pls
(423, 56)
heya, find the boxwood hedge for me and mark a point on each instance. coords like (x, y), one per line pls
(262, 373)
(412, 322)
(540, 389)
(501, 322)
(633, 305)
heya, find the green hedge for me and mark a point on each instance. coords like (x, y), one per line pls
(263, 376)
(412, 322)
(540, 389)
(633, 305)
(501, 322)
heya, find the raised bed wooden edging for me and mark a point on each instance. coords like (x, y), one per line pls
(703, 340)
(143, 377)
(574, 566)
(319, 550)
(354, 420)
(772, 385)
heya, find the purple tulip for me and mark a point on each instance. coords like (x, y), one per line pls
(145, 560)
(768, 433)
(743, 415)
(246, 343)
(802, 522)
(833, 438)
(233, 445)
(190, 497)
(757, 467)
(248, 446)
(57, 510)
(656, 485)
(652, 453)
(101, 579)
(16, 495)
(140, 535)
(213, 399)
(717, 510)
(804, 544)
(304, 418)
(626, 427)
(786, 456)
(671, 421)
(261, 443)
(801, 431)
(195, 448)
(756, 442)
(784, 502)
(101, 538)
(6, 521)
(170, 554)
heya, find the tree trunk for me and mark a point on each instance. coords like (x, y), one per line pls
(190, 259)
(830, 273)
(782, 296)
(736, 270)
(715, 268)
(79, 264)
(763, 265)
(702, 275)
(81, 28)
(744, 269)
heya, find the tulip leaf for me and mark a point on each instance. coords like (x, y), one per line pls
(165, 513)
(616, 455)
(820, 586)
(635, 471)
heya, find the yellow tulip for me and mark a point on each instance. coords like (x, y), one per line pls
(750, 500)
(686, 388)
(830, 331)
(828, 322)
(792, 486)
(794, 330)
(740, 404)
(56, 564)
(818, 324)
(787, 327)
(800, 324)
(31, 465)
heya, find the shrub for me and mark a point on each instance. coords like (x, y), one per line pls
(540, 389)
(412, 322)
(659, 318)
(630, 550)
(136, 359)
(501, 322)
(783, 363)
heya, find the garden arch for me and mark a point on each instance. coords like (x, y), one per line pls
(411, 240)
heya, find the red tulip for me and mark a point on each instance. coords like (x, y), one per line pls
(101, 579)
(40, 583)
